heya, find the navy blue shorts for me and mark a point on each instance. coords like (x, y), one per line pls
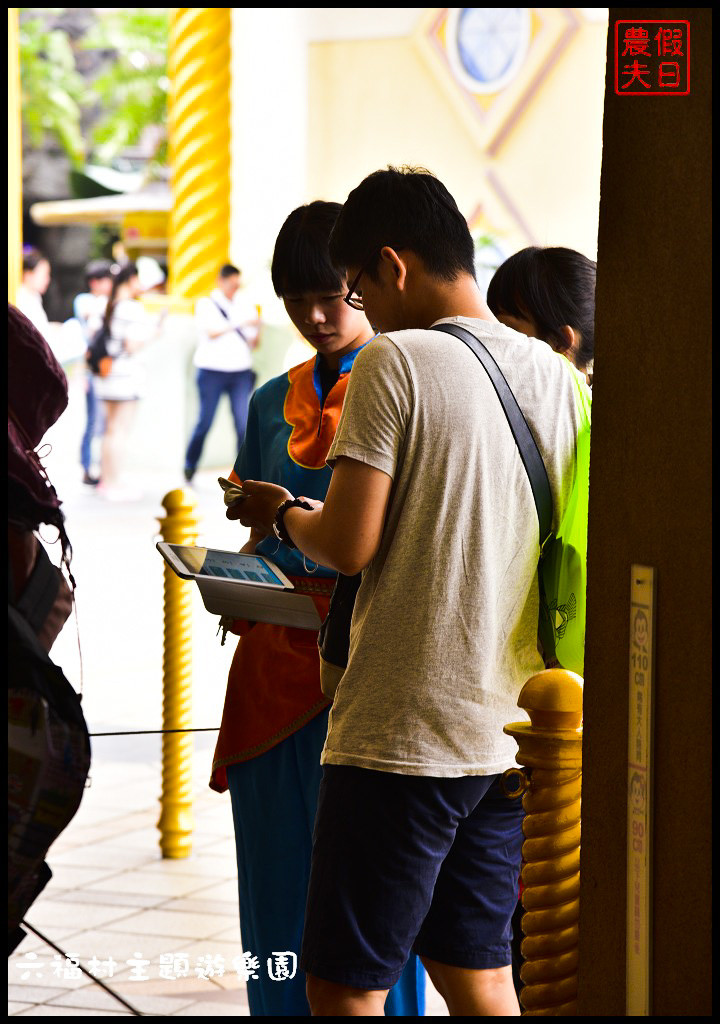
(408, 862)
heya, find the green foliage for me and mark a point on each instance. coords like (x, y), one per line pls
(128, 95)
(132, 91)
(102, 240)
(53, 93)
(489, 254)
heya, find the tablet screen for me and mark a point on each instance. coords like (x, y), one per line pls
(227, 565)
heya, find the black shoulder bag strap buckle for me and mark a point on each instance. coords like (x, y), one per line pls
(527, 446)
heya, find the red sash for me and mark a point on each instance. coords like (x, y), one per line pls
(273, 687)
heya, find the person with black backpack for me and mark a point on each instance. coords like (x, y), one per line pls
(48, 742)
(89, 308)
(113, 356)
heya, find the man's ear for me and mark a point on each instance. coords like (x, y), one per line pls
(569, 339)
(394, 265)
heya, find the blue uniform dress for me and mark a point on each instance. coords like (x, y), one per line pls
(275, 716)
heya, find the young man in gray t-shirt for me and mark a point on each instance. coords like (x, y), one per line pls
(415, 846)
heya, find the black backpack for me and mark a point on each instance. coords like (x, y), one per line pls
(48, 747)
(98, 358)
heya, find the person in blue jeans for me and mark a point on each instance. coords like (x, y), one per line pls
(227, 331)
(89, 309)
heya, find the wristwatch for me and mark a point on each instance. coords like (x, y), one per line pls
(278, 524)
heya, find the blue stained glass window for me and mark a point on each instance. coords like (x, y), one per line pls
(491, 42)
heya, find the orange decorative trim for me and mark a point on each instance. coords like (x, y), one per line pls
(313, 429)
(261, 748)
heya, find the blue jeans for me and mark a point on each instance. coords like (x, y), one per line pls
(93, 423)
(212, 385)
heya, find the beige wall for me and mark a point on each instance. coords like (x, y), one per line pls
(375, 102)
(322, 97)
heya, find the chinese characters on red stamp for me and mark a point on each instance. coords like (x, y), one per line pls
(652, 58)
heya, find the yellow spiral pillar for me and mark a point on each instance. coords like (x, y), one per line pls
(199, 147)
(180, 526)
(550, 748)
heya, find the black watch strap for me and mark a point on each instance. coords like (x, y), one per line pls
(278, 522)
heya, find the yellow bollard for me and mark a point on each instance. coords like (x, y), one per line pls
(550, 747)
(180, 526)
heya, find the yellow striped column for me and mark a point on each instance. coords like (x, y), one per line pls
(199, 147)
(14, 158)
(179, 526)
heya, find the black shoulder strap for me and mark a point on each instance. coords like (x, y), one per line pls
(527, 446)
(236, 329)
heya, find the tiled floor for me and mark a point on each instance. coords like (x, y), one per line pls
(113, 899)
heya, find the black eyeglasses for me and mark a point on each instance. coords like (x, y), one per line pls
(356, 301)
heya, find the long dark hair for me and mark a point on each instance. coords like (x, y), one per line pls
(119, 277)
(553, 287)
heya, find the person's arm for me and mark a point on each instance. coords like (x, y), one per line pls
(218, 333)
(246, 319)
(344, 533)
(210, 320)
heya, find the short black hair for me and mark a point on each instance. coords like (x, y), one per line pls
(97, 270)
(405, 208)
(31, 257)
(301, 261)
(552, 287)
(227, 270)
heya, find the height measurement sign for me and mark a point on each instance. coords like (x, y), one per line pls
(639, 800)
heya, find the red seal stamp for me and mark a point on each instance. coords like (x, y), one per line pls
(652, 58)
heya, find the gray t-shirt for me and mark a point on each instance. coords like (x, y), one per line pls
(444, 631)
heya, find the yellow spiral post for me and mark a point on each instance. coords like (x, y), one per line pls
(199, 147)
(180, 526)
(550, 747)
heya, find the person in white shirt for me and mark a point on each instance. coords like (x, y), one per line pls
(65, 339)
(415, 844)
(130, 328)
(228, 331)
(88, 309)
(35, 281)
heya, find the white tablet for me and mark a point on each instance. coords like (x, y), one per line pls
(242, 586)
(194, 563)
